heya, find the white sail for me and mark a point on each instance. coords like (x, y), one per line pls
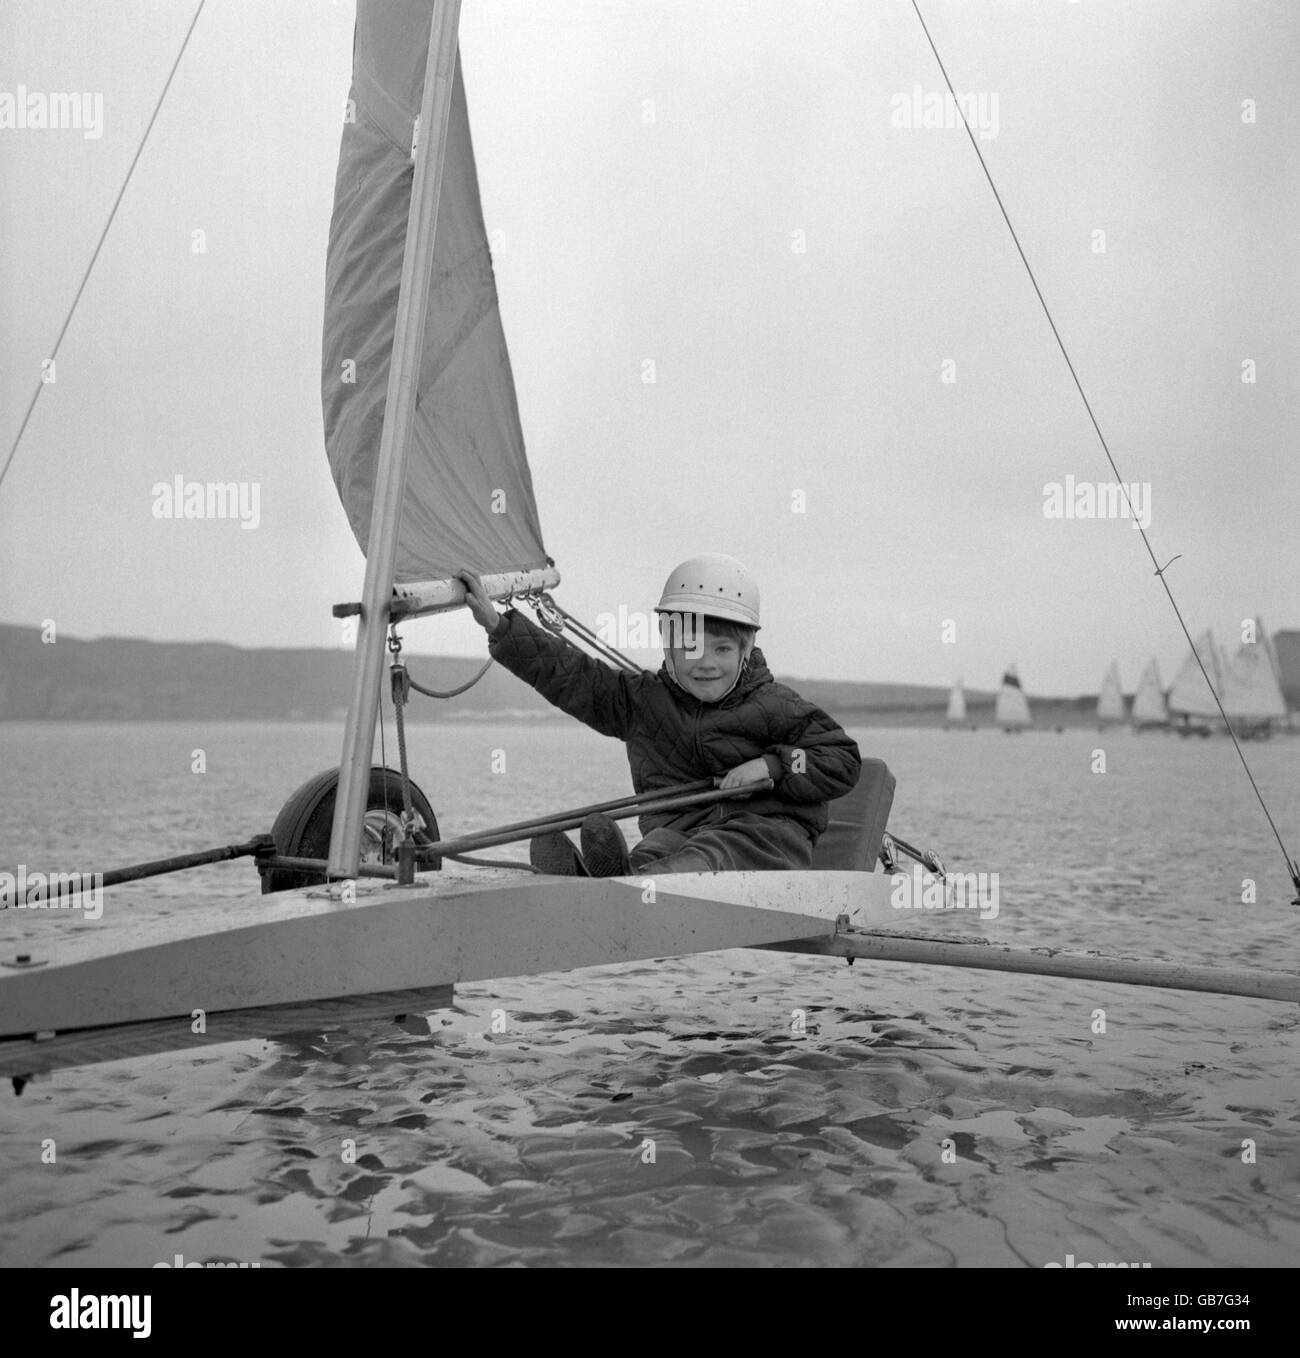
(1250, 687)
(468, 500)
(1011, 711)
(1110, 702)
(1189, 695)
(957, 703)
(1149, 701)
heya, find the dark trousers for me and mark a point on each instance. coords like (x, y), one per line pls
(744, 841)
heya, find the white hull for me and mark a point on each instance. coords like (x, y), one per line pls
(301, 947)
(258, 966)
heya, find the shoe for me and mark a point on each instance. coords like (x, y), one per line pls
(554, 853)
(604, 850)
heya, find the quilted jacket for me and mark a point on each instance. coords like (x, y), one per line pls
(673, 737)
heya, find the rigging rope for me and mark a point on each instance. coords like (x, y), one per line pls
(399, 710)
(555, 618)
(476, 862)
(85, 277)
(383, 761)
(451, 692)
(1293, 869)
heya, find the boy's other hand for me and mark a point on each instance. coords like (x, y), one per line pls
(752, 771)
(477, 601)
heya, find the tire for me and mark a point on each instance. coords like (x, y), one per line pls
(303, 827)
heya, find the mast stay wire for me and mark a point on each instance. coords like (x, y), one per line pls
(103, 235)
(1293, 869)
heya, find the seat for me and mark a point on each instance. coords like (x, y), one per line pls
(851, 842)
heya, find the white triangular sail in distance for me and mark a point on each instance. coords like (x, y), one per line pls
(1189, 696)
(1250, 689)
(1011, 711)
(1149, 701)
(957, 703)
(1110, 702)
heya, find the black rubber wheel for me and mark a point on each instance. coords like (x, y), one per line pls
(302, 829)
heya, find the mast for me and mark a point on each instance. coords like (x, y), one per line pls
(399, 417)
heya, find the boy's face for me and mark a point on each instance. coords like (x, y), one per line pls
(707, 669)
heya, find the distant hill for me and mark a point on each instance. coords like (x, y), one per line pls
(127, 679)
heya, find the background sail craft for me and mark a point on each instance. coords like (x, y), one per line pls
(1191, 703)
(1149, 708)
(1247, 684)
(1011, 710)
(1110, 701)
(1252, 696)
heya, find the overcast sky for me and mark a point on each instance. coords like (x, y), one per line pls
(650, 172)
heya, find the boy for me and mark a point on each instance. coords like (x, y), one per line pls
(712, 710)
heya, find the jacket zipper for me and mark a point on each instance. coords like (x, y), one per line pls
(714, 812)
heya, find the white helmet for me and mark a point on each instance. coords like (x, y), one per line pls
(717, 586)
